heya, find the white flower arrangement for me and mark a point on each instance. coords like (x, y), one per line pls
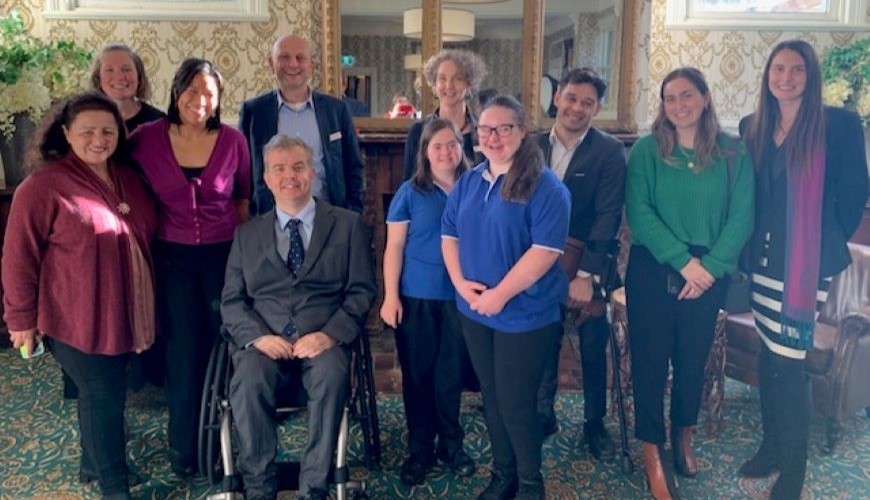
(34, 72)
(28, 95)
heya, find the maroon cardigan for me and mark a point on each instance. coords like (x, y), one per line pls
(66, 256)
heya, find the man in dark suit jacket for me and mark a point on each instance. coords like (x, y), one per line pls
(592, 165)
(298, 287)
(295, 110)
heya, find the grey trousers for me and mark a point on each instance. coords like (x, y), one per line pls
(253, 396)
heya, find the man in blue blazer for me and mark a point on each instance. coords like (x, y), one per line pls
(592, 165)
(298, 287)
(322, 121)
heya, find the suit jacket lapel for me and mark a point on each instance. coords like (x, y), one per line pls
(268, 122)
(581, 153)
(266, 239)
(324, 220)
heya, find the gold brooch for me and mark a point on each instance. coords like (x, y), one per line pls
(124, 208)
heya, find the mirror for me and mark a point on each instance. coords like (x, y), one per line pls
(549, 42)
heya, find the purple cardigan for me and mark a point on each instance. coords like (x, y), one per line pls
(201, 210)
(66, 257)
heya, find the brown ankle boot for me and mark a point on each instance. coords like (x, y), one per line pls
(658, 478)
(684, 458)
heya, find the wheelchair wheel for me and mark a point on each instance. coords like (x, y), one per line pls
(214, 392)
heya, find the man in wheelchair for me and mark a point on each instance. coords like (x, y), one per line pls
(299, 285)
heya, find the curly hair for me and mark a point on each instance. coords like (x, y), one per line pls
(143, 86)
(470, 66)
(49, 143)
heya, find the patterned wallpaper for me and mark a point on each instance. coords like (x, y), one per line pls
(385, 55)
(732, 61)
(239, 49)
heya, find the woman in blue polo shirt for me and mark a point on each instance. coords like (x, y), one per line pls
(422, 308)
(505, 224)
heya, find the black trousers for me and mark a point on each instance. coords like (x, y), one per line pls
(254, 395)
(593, 336)
(102, 391)
(786, 401)
(510, 366)
(189, 284)
(662, 329)
(431, 352)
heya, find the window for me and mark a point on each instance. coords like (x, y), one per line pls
(151, 10)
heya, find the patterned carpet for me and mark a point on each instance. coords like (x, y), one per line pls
(39, 450)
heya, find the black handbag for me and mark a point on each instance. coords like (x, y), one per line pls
(738, 296)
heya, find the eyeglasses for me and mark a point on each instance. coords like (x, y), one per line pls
(500, 130)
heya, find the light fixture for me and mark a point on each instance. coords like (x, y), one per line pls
(413, 62)
(457, 25)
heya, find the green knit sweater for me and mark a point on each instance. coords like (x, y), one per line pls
(670, 206)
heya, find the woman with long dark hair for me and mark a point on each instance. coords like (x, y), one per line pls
(505, 224)
(77, 272)
(200, 171)
(689, 207)
(811, 178)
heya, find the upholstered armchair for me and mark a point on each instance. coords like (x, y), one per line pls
(839, 364)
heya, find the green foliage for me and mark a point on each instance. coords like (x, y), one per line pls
(61, 62)
(846, 73)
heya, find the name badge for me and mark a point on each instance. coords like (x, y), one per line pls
(335, 136)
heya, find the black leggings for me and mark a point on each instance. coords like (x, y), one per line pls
(510, 367)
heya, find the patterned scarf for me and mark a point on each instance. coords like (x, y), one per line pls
(803, 250)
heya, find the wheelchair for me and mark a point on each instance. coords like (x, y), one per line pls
(217, 446)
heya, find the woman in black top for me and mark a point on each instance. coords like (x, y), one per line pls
(119, 73)
(453, 76)
(811, 187)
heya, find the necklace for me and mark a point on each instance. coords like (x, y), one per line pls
(690, 162)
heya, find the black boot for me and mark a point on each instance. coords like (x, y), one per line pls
(531, 490)
(501, 487)
(765, 461)
(793, 423)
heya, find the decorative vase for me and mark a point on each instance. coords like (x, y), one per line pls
(13, 149)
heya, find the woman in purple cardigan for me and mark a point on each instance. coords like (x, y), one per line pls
(77, 270)
(200, 171)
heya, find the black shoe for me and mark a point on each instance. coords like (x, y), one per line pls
(760, 466)
(500, 487)
(598, 440)
(415, 468)
(460, 463)
(531, 490)
(549, 425)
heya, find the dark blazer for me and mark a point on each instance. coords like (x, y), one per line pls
(333, 292)
(258, 121)
(596, 179)
(844, 198)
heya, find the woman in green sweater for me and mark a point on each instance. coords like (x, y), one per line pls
(689, 200)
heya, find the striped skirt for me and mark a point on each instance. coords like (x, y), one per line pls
(767, 308)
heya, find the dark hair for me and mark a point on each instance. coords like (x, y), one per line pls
(528, 163)
(422, 178)
(50, 144)
(185, 74)
(705, 146)
(577, 76)
(143, 86)
(808, 131)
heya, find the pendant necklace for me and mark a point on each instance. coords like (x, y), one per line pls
(689, 161)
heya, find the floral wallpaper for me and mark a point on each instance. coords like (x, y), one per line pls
(732, 61)
(239, 49)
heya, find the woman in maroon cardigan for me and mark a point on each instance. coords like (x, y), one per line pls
(77, 270)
